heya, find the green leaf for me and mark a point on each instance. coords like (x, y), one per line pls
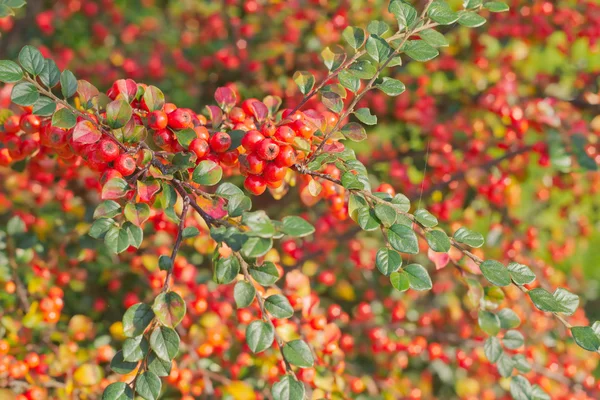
(520, 388)
(10, 72)
(135, 234)
(288, 388)
(226, 270)
(420, 50)
(418, 277)
(279, 306)
(508, 318)
(154, 98)
(165, 263)
(31, 60)
(472, 4)
(296, 227)
(64, 118)
(107, 209)
(190, 232)
(567, 300)
(305, 81)
(578, 143)
(100, 227)
(259, 223)
(386, 214)
(367, 219)
(333, 57)
(492, 349)
(496, 6)
(243, 293)
(401, 202)
(266, 274)
(256, 247)
(489, 322)
(116, 239)
(505, 365)
(544, 300)
(238, 204)
(354, 131)
(137, 213)
(521, 363)
(403, 239)
(377, 28)
(349, 81)
(207, 173)
(378, 49)
(148, 385)
(586, 338)
(135, 348)
(470, 238)
(470, 19)
(438, 241)
(118, 113)
(169, 308)
(495, 272)
(440, 12)
(50, 75)
(362, 69)
(136, 319)
(388, 261)
(332, 101)
(298, 353)
(513, 339)
(400, 281)
(117, 391)
(404, 13)
(520, 274)
(228, 190)
(158, 366)
(364, 115)
(425, 218)
(165, 342)
(24, 94)
(120, 366)
(68, 85)
(260, 335)
(185, 137)
(434, 38)
(390, 86)
(355, 37)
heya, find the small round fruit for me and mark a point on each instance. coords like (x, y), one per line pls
(251, 139)
(267, 149)
(285, 134)
(254, 164)
(255, 184)
(158, 120)
(229, 158)
(273, 173)
(109, 151)
(199, 147)
(179, 119)
(12, 124)
(30, 123)
(220, 142)
(125, 164)
(162, 138)
(286, 156)
(237, 115)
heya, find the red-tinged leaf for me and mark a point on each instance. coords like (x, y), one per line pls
(309, 303)
(115, 188)
(154, 98)
(86, 90)
(316, 119)
(334, 147)
(225, 98)
(127, 89)
(216, 209)
(85, 132)
(259, 110)
(273, 103)
(440, 260)
(215, 115)
(147, 189)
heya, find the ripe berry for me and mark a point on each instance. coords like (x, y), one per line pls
(169, 108)
(229, 158)
(274, 173)
(237, 115)
(30, 123)
(179, 119)
(285, 134)
(303, 129)
(255, 184)
(12, 124)
(251, 139)
(109, 150)
(269, 128)
(220, 142)
(286, 156)
(125, 164)
(202, 132)
(254, 164)
(199, 147)
(267, 149)
(162, 138)
(158, 120)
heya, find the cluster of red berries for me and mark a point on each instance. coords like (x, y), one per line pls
(19, 137)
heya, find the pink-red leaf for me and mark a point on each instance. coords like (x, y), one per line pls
(85, 132)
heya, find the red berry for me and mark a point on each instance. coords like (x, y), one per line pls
(250, 139)
(162, 138)
(255, 184)
(179, 119)
(229, 158)
(220, 142)
(267, 149)
(158, 120)
(199, 147)
(254, 164)
(30, 123)
(12, 124)
(285, 134)
(286, 156)
(125, 164)
(237, 115)
(109, 150)
(273, 173)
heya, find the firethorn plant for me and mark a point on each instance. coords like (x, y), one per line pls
(163, 164)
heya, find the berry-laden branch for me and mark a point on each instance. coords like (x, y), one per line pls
(154, 155)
